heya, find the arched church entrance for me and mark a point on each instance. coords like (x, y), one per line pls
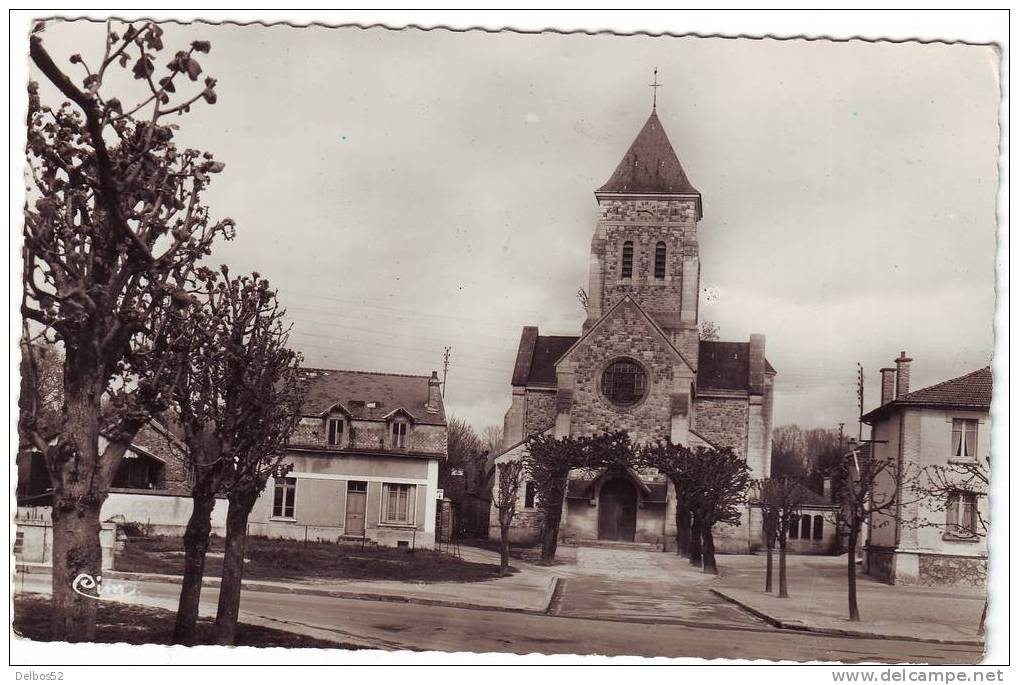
(617, 510)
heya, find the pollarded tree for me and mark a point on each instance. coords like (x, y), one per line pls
(230, 404)
(780, 500)
(114, 225)
(720, 481)
(506, 504)
(549, 460)
(673, 462)
(263, 378)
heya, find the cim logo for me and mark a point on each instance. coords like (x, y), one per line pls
(93, 587)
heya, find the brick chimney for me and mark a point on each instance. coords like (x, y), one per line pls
(434, 394)
(902, 375)
(756, 380)
(887, 385)
(826, 488)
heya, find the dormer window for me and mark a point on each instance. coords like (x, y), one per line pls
(334, 432)
(626, 270)
(398, 432)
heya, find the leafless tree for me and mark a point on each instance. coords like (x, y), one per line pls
(720, 481)
(257, 409)
(780, 500)
(506, 504)
(867, 486)
(235, 404)
(673, 462)
(114, 225)
(549, 460)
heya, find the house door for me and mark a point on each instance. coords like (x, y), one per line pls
(357, 495)
(617, 510)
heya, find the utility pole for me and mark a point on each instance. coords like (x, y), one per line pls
(859, 396)
(445, 369)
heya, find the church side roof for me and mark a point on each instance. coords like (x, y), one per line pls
(725, 365)
(650, 166)
(537, 355)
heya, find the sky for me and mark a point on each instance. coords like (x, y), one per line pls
(408, 190)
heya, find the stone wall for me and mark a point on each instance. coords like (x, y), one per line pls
(947, 570)
(539, 410)
(723, 421)
(626, 334)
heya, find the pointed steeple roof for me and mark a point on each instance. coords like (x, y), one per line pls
(650, 166)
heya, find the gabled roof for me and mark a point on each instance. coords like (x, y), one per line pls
(626, 299)
(725, 365)
(971, 391)
(356, 390)
(650, 166)
(537, 356)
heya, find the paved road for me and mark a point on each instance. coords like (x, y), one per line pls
(395, 625)
(637, 585)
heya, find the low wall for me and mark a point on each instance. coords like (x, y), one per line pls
(33, 541)
(159, 513)
(389, 536)
(932, 569)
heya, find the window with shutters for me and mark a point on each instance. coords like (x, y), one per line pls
(398, 503)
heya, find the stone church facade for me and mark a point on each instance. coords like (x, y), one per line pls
(639, 363)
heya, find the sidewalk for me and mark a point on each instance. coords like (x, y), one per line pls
(818, 601)
(530, 589)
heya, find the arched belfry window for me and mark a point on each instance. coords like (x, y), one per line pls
(626, 271)
(660, 261)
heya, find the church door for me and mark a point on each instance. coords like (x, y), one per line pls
(617, 510)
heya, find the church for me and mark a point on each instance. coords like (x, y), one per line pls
(640, 364)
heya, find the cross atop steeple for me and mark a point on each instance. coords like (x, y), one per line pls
(654, 91)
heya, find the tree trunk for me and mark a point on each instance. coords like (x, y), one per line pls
(504, 548)
(710, 566)
(696, 533)
(80, 486)
(768, 574)
(783, 587)
(550, 541)
(854, 609)
(233, 567)
(682, 529)
(77, 564)
(196, 544)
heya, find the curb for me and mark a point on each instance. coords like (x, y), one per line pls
(261, 586)
(837, 632)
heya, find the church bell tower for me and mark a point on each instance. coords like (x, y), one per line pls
(645, 243)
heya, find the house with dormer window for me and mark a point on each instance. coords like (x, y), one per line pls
(364, 461)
